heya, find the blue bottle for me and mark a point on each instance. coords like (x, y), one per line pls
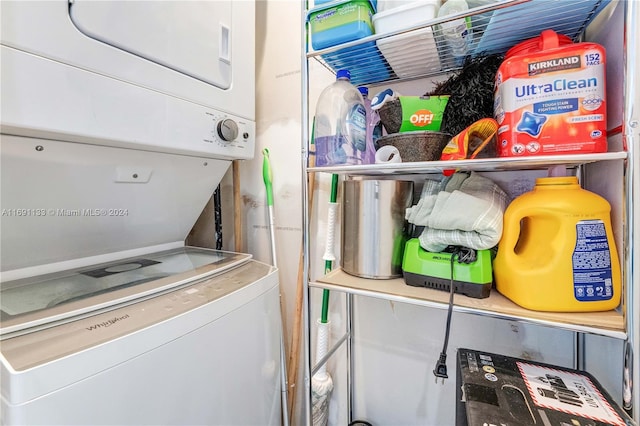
(373, 128)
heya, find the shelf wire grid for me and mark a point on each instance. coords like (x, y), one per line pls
(421, 50)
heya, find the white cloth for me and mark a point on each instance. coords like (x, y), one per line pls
(464, 210)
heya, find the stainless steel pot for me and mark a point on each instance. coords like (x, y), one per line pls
(374, 229)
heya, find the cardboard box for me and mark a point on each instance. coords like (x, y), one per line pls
(503, 391)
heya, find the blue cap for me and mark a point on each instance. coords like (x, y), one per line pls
(363, 90)
(343, 74)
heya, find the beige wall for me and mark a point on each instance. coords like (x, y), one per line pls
(279, 99)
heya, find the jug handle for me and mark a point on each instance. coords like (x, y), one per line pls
(549, 40)
(514, 215)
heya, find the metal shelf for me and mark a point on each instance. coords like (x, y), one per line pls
(608, 323)
(496, 27)
(485, 164)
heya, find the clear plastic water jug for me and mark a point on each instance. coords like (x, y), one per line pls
(340, 124)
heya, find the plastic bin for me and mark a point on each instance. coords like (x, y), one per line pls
(316, 3)
(339, 22)
(364, 61)
(410, 53)
(384, 5)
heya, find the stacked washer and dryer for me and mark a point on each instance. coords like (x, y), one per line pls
(119, 119)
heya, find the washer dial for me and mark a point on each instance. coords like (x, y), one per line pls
(227, 130)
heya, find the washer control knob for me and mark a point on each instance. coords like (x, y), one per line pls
(227, 129)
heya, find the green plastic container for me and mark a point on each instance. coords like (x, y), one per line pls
(340, 22)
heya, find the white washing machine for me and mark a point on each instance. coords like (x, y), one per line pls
(119, 119)
(204, 353)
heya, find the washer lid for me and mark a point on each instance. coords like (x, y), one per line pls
(47, 300)
(72, 202)
(199, 47)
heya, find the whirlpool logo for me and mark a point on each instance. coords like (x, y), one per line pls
(108, 323)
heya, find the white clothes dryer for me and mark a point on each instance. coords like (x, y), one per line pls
(171, 76)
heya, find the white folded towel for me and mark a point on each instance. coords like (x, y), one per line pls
(463, 209)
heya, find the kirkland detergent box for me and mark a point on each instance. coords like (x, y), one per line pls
(503, 391)
(550, 98)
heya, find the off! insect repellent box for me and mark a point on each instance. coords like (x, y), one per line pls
(422, 112)
(504, 391)
(550, 98)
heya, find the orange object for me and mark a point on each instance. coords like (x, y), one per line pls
(471, 142)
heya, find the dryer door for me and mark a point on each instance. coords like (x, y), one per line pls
(199, 47)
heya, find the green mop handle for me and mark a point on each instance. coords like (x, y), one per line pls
(329, 255)
(267, 177)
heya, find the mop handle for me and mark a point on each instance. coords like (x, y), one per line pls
(272, 227)
(329, 255)
(267, 177)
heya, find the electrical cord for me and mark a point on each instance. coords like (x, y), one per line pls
(464, 255)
